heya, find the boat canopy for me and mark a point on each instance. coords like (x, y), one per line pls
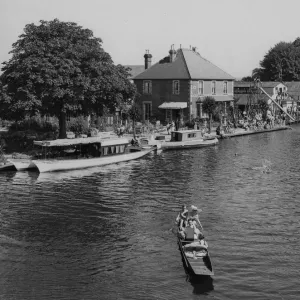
(78, 141)
(173, 105)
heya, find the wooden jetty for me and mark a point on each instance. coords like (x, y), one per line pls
(248, 132)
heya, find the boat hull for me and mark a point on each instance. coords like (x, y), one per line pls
(200, 266)
(22, 164)
(52, 165)
(7, 166)
(189, 144)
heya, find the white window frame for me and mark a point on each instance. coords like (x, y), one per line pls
(213, 87)
(144, 110)
(176, 88)
(225, 87)
(147, 87)
(200, 89)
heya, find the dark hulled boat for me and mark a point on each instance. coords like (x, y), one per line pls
(195, 257)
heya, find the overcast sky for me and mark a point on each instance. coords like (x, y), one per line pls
(232, 34)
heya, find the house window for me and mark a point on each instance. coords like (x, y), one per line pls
(147, 111)
(225, 87)
(191, 135)
(200, 87)
(68, 117)
(213, 87)
(176, 87)
(147, 87)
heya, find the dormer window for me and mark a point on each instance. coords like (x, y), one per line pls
(147, 87)
(225, 87)
(200, 87)
(176, 87)
(213, 87)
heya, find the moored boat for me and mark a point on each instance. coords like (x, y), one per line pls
(188, 139)
(22, 164)
(5, 166)
(85, 153)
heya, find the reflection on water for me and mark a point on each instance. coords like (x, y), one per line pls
(106, 233)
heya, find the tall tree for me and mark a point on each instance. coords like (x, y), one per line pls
(59, 68)
(134, 113)
(209, 106)
(281, 63)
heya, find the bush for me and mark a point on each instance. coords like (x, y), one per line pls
(36, 123)
(190, 124)
(78, 125)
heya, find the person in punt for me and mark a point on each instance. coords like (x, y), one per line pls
(202, 242)
(181, 219)
(190, 232)
(195, 216)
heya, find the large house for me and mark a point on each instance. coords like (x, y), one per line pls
(176, 86)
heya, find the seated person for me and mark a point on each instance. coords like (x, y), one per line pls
(190, 232)
(202, 242)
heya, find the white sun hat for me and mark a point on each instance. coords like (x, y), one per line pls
(193, 207)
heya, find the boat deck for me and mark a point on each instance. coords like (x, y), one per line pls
(199, 266)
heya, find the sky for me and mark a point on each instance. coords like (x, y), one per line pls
(233, 34)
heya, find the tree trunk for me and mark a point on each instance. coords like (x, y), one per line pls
(62, 126)
(133, 128)
(210, 120)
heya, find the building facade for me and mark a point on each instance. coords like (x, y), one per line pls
(176, 86)
(285, 94)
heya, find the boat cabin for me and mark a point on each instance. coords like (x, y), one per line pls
(186, 135)
(82, 147)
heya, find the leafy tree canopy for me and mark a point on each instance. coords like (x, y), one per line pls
(209, 105)
(58, 68)
(281, 63)
(247, 79)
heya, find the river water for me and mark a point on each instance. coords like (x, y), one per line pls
(106, 233)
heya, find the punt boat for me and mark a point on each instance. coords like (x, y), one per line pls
(188, 139)
(80, 153)
(196, 257)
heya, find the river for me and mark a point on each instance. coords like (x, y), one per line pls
(106, 233)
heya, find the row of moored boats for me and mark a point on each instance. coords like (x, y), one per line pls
(79, 153)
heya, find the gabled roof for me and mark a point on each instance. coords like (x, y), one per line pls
(167, 70)
(270, 84)
(135, 70)
(238, 84)
(200, 68)
(293, 86)
(188, 64)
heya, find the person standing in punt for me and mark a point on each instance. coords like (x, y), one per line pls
(182, 217)
(195, 216)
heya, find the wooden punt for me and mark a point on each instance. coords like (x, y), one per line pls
(199, 266)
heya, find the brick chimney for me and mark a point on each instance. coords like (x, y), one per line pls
(172, 53)
(147, 57)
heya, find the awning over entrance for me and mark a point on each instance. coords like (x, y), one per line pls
(173, 105)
